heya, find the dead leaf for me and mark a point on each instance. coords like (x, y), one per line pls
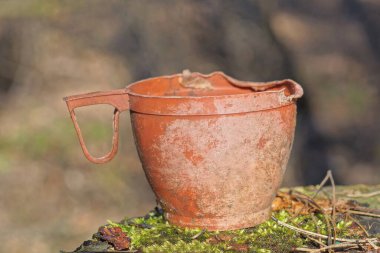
(115, 236)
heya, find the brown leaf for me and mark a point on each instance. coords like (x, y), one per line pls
(279, 204)
(296, 203)
(116, 237)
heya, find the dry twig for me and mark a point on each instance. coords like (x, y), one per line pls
(363, 195)
(305, 232)
(333, 216)
(198, 234)
(319, 241)
(363, 213)
(334, 246)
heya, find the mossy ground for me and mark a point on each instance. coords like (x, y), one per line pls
(152, 233)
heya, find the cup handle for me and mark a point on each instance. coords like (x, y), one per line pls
(117, 98)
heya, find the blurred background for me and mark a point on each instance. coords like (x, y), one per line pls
(52, 198)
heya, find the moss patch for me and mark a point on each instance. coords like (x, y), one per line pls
(153, 233)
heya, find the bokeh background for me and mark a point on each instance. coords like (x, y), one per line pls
(51, 198)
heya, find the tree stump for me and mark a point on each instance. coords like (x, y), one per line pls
(304, 219)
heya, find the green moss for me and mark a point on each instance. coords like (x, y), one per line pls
(153, 233)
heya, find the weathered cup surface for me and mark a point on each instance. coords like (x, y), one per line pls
(214, 149)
